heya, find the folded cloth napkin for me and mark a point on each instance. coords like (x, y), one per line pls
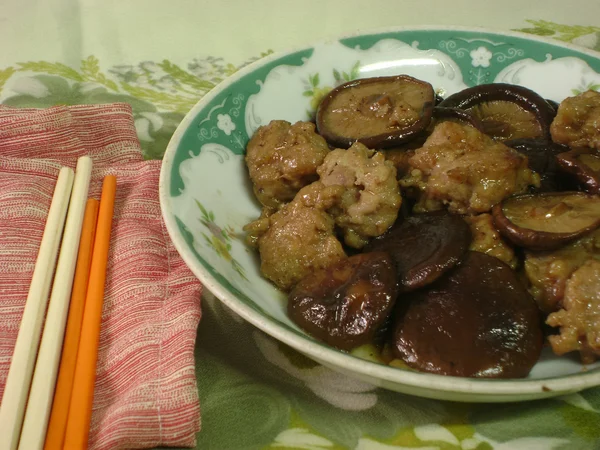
(145, 393)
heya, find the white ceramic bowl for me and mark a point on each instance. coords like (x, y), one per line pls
(206, 197)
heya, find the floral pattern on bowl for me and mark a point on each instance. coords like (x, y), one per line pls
(204, 164)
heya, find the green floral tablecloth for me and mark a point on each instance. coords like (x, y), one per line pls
(161, 57)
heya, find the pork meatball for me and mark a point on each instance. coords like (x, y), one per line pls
(371, 198)
(299, 238)
(399, 158)
(466, 170)
(549, 271)
(282, 158)
(579, 320)
(577, 122)
(486, 239)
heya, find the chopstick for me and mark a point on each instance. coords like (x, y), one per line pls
(64, 385)
(28, 339)
(82, 396)
(44, 377)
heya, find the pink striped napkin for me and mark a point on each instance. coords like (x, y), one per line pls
(145, 393)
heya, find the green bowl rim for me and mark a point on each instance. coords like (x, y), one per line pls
(350, 363)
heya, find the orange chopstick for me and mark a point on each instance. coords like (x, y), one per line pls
(82, 396)
(64, 384)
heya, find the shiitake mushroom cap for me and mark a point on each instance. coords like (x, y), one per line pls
(554, 105)
(541, 156)
(524, 98)
(424, 246)
(478, 320)
(361, 110)
(584, 164)
(457, 115)
(548, 220)
(345, 304)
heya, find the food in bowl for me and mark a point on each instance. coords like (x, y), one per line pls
(437, 233)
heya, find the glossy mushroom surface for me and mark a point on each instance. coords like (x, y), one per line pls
(456, 115)
(584, 164)
(346, 303)
(377, 112)
(506, 111)
(548, 220)
(478, 321)
(424, 246)
(541, 157)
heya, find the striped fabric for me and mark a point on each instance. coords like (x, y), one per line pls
(145, 393)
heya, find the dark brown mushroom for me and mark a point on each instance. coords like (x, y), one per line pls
(477, 321)
(548, 220)
(506, 111)
(347, 303)
(584, 164)
(553, 104)
(541, 156)
(457, 115)
(424, 246)
(378, 112)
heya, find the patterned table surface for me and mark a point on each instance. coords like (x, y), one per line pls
(161, 57)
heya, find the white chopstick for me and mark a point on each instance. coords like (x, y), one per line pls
(41, 394)
(18, 381)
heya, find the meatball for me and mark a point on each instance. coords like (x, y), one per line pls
(579, 320)
(282, 158)
(399, 158)
(577, 122)
(254, 230)
(299, 238)
(486, 239)
(466, 170)
(371, 198)
(549, 271)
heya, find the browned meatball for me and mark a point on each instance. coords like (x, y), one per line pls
(486, 239)
(579, 320)
(549, 271)
(466, 170)
(255, 229)
(577, 122)
(299, 238)
(282, 158)
(371, 199)
(399, 157)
